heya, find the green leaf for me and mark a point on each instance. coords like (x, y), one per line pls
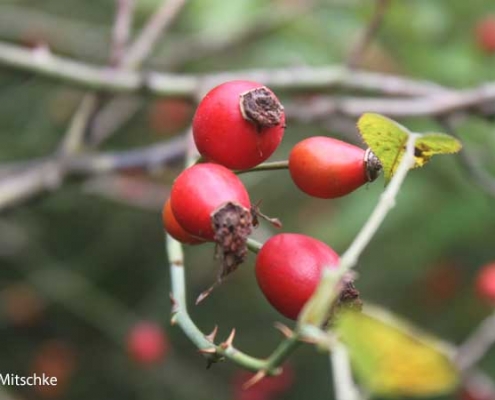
(387, 140)
(391, 358)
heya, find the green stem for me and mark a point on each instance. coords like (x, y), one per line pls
(210, 349)
(253, 245)
(283, 351)
(268, 166)
(319, 305)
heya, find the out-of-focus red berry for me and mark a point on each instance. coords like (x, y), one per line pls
(472, 394)
(440, 283)
(147, 343)
(168, 116)
(21, 305)
(485, 283)
(485, 34)
(57, 359)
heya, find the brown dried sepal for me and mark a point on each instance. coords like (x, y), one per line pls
(372, 165)
(261, 107)
(256, 214)
(349, 297)
(232, 224)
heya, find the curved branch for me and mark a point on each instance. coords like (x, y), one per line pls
(88, 76)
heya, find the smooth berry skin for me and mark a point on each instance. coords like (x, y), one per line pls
(327, 168)
(485, 283)
(289, 268)
(174, 229)
(223, 136)
(485, 34)
(147, 343)
(199, 191)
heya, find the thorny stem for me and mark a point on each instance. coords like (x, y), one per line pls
(359, 49)
(270, 365)
(180, 315)
(213, 352)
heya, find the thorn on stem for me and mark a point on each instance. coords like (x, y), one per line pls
(206, 293)
(212, 335)
(254, 380)
(284, 329)
(229, 341)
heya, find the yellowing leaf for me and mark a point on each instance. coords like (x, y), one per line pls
(392, 358)
(387, 140)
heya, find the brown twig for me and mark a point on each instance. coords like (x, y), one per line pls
(358, 50)
(151, 33)
(319, 108)
(183, 85)
(121, 30)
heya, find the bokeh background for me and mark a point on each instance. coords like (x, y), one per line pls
(79, 266)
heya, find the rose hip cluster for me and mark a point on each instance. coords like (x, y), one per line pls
(237, 126)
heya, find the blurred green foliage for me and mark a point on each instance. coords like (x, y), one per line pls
(421, 264)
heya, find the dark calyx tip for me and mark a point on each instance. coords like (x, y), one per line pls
(373, 165)
(232, 224)
(260, 107)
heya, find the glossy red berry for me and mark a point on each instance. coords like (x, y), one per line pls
(174, 229)
(200, 191)
(327, 168)
(485, 34)
(238, 124)
(288, 269)
(147, 343)
(485, 283)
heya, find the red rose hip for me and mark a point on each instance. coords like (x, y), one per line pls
(200, 192)
(327, 168)
(485, 283)
(174, 229)
(238, 124)
(289, 268)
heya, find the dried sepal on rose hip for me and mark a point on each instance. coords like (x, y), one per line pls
(238, 124)
(232, 224)
(327, 168)
(210, 202)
